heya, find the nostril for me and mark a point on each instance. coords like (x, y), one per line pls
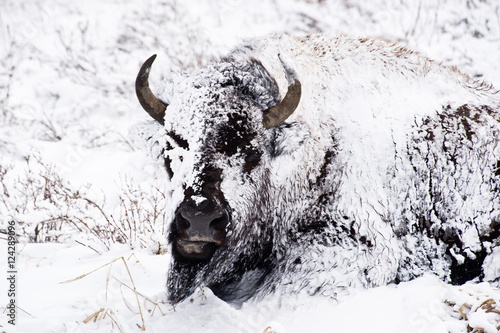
(182, 222)
(195, 224)
(219, 223)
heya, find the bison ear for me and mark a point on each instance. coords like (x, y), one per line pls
(287, 138)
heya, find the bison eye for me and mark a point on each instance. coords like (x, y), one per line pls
(170, 172)
(253, 157)
(178, 140)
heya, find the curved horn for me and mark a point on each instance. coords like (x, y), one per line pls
(277, 114)
(148, 100)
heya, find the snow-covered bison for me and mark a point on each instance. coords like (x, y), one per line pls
(318, 163)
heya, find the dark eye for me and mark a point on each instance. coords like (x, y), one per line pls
(253, 157)
(168, 161)
(178, 140)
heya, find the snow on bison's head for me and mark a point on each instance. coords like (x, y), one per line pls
(318, 163)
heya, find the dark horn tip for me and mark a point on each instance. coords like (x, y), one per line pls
(150, 61)
(146, 66)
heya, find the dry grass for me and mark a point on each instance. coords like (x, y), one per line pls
(478, 308)
(106, 312)
(46, 208)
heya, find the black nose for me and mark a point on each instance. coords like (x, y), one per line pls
(204, 222)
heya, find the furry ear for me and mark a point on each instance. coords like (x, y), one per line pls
(255, 81)
(287, 138)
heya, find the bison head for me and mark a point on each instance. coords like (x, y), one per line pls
(223, 126)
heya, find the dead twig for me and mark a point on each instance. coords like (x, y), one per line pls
(108, 275)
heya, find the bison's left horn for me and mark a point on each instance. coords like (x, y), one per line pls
(277, 114)
(148, 100)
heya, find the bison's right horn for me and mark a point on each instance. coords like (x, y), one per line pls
(148, 100)
(277, 114)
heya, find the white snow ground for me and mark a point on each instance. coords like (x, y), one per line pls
(73, 183)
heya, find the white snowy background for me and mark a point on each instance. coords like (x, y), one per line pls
(88, 205)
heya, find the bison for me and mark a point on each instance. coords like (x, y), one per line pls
(319, 163)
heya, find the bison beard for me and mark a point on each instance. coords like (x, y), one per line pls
(246, 276)
(376, 165)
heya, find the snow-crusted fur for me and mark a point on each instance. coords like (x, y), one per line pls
(388, 168)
